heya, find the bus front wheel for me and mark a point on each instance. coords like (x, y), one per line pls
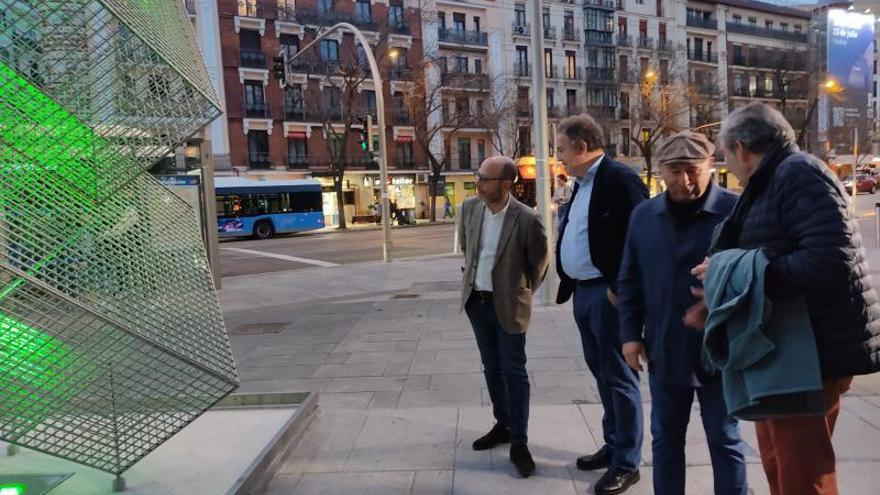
(263, 230)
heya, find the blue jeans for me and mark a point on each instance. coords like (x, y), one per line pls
(504, 366)
(669, 420)
(618, 384)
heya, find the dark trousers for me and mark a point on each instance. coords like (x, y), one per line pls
(618, 384)
(671, 410)
(504, 366)
(797, 453)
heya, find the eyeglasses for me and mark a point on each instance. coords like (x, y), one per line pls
(482, 178)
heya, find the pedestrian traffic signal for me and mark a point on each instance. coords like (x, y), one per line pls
(364, 139)
(278, 68)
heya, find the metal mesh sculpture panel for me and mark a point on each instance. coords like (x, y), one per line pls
(111, 337)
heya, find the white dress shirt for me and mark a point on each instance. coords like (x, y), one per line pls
(489, 234)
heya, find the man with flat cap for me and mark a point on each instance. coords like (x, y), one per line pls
(667, 236)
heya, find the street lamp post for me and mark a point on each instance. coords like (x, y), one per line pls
(380, 109)
(542, 177)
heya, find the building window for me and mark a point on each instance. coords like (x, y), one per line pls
(664, 72)
(522, 59)
(753, 22)
(363, 11)
(551, 103)
(258, 149)
(624, 105)
(478, 66)
(325, 6)
(624, 141)
(737, 19)
(568, 23)
(768, 24)
(404, 154)
(297, 151)
(659, 8)
(461, 64)
(797, 28)
(738, 84)
(289, 44)
(464, 153)
(369, 102)
(545, 17)
(481, 150)
(571, 100)
(395, 13)
(548, 63)
(783, 26)
(332, 103)
(293, 101)
(254, 98)
(458, 22)
(621, 26)
(480, 108)
(330, 50)
(462, 107)
(570, 65)
(520, 14)
(477, 24)
(441, 17)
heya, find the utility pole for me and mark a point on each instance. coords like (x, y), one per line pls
(542, 169)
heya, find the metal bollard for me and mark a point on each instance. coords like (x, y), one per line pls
(877, 224)
(456, 248)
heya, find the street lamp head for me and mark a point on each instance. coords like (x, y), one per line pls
(650, 76)
(394, 53)
(831, 86)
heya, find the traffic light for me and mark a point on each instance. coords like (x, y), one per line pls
(278, 68)
(364, 138)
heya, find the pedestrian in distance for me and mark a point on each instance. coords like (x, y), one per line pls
(505, 252)
(795, 213)
(667, 236)
(592, 232)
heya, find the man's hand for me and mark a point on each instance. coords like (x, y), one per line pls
(632, 351)
(700, 271)
(612, 297)
(695, 316)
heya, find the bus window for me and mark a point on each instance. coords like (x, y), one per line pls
(229, 206)
(306, 202)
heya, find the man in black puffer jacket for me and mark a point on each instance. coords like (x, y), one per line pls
(795, 209)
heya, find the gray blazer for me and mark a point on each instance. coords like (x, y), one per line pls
(520, 262)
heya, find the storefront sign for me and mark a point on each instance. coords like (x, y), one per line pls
(404, 139)
(402, 180)
(296, 135)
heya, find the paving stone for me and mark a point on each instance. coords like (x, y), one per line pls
(279, 372)
(401, 439)
(380, 357)
(350, 370)
(385, 399)
(397, 369)
(434, 398)
(503, 479)
(457, 381)
(366, 384)
(381, 483)
(443, 367)
(350, 400)
(433, 483)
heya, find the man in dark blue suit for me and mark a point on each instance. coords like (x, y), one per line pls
(592, 231)
(668, 235)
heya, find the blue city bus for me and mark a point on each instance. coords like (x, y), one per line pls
(262, 209)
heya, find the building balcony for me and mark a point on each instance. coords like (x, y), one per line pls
(573, 110)
(305, 65)
(401, 73)
(763, 32)
(645, 43)
(315, 17)
(467, 80)
(521, 29)
(523, 110)
(791, 94)
(789, 63)
(298, 113)
(602, 111)
(554, 112)
(522, 70)
(463, 37)
(623, 40)
(253, 59)
(573, 74)
(704, 57)
(353, 162)
(571, 34)
(462, 163)
(403, 118)
(550, 33)
(598, 38)
(298, 161)
(250, 8)
(552, 72)
(256, 110)
(665, 45)
(399, 28)
(702, 22)
(626, 76)
(259, 160)
(602, 4)
(603, 74)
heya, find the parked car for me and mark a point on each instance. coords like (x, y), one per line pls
(865, 184)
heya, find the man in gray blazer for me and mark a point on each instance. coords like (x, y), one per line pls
(505, 248)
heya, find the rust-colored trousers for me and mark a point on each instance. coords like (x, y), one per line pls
(797, 454)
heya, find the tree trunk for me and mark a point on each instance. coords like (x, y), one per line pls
(432, 192)
(802, 132)
(648, 169)
(340, 198)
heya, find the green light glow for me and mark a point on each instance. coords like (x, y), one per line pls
(16, 489)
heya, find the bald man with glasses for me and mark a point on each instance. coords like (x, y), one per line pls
(505, 249)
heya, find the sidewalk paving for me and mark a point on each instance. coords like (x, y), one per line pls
(401, 395)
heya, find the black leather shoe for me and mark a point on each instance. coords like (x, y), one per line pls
(522, 459)
(599, 460)
(616, 481)
(497, 435)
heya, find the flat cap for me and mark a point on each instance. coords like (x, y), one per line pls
(685, 147)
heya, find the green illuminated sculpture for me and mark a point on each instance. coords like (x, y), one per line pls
(111, 337)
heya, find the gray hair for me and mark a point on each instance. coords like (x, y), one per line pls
(759, 127)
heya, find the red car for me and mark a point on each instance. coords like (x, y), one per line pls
(865, 184)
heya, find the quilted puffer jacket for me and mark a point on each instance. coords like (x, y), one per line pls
(795, 209)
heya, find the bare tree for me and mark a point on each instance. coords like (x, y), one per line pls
(503, 117)
(337, 101)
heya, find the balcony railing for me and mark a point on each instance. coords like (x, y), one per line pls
(259, 159)
(573, 110)
(296, 113)
(254, 59)
(792, 94)
(605, 4)
(599, 38)
(624, 40)
(468, 80)
(571, 34)
(250, 8)
(605, 111)
(599, 74)
(762, 61)
(316, 17)
(549, 32)
(399, 28)
(552, 72)
(763, 32)
(401, 73)
(325, 162)
(403, 118)
(626, 76)
(315, 66)
(574, 73)
(298, 161)
(554, 112)
(702, 22)
(461, 163)
(665, 45)
(709, 58)
(645, 43)
(523, 110)
(520, 70)
(257, 110)
(462, 37)
(520, 29)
